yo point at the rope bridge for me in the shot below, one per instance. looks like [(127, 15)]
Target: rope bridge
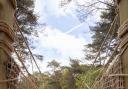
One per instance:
[(16, 69), (111, 75), (112, 72)]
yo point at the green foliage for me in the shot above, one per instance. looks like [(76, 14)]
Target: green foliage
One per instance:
[(99, 33), (85, 80), (67, 79), (27, 21), (54, 65), (75, 66), (25, 15)]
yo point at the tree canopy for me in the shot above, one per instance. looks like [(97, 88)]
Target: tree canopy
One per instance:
[(25, 15), (77, 75), (100, 30)]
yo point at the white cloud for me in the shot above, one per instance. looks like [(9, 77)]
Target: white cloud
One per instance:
[(52, 43), (52, 8), (58, 45)]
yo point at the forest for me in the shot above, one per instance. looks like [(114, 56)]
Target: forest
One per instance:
[(77, 75)]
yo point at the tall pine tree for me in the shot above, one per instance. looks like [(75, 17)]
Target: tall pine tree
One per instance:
[(99, 33), (25, 15)]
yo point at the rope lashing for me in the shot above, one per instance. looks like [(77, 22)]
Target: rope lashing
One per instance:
[(8, 80), (4, 27), (118, 75), (123, 29)]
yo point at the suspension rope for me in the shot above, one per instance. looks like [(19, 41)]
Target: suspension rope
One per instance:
[(105, 39), (118, 75), (106, 65), (8, 80), (27, 46), (113, 23), (31, 80), (21, 62)]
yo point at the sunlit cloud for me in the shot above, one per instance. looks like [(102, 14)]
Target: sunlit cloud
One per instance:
[(56, 41), (63, 44)]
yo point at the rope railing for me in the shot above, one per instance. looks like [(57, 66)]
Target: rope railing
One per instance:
[(118, 75), (108, 33), (22, 62), (113, 75), (30, 81), (27, 46), (111, 29), (114, 72), (8, 80), (13, 75)]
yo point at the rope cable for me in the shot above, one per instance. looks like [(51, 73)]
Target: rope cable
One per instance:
[(98, 54), (8, 80), (27, 46), (105, 39)]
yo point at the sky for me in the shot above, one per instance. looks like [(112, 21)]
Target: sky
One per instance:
[(63, 36)]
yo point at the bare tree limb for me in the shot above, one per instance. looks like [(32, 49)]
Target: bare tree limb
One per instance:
[(105, 3)]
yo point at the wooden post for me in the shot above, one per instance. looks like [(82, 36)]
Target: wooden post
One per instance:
[(7, 10), (123, 35)]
